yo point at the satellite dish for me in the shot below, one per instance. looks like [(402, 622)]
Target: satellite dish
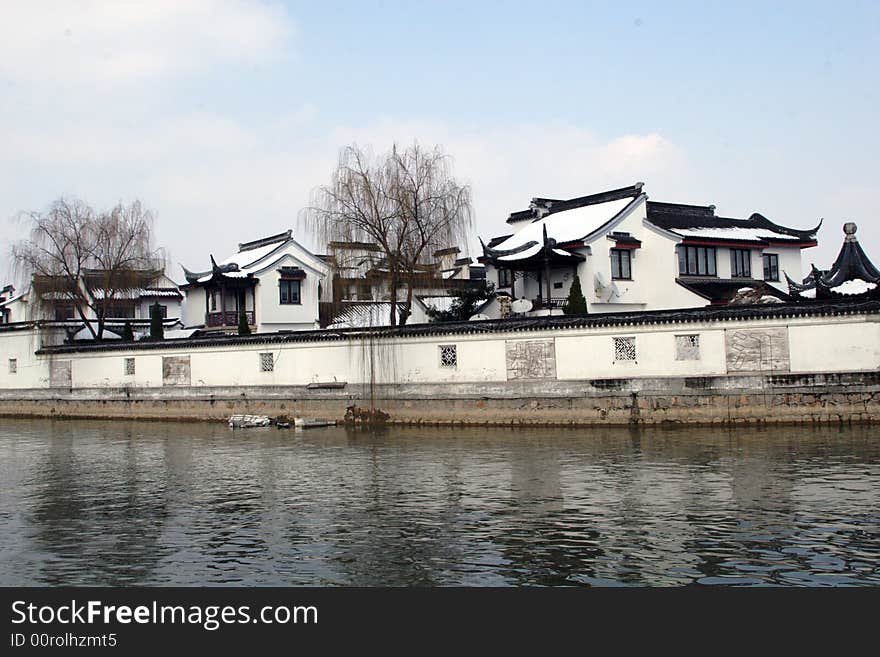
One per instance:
[(599, 283), (479, 317), (521, 306), (613, 291)]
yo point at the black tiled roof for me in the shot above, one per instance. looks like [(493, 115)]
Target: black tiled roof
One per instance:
[(852, 263), (672, 216), (552, 206), (723, 290)]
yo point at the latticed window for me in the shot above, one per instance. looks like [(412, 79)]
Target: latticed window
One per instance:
[(267, 362), (448, 355), (13, 365), (687, 347), (129, 366), (624, 349)]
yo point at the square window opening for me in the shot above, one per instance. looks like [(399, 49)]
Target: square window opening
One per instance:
[(129, 366), (625, 349), (448, 355), (13, 365), (267, 362)]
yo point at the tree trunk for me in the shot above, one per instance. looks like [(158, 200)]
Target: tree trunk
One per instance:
[(393, 296), (407, 305)]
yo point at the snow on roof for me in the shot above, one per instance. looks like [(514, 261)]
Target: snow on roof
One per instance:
[(854, 286), (11, 300), (735, 233), (438, 303), (100, 293), (246, 260), (564, 226), (179, 333), (85, 334), (159, 293), (363, 314)]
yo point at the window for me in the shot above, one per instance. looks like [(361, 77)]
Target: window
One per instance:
[(740, 263), (129, 366), (504, 277), (620, 264), (687, 347), (557, 286), (448, 356), (13, 365), (267, 362), (163, 311), (771, 267), (365, 292), (64, 311), (289, 291), (624, 349), (213, 301), (696, 261)]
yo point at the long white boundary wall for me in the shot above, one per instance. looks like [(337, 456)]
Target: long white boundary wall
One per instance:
[(796, 345)]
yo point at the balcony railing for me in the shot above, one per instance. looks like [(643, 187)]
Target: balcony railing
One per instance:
[(228, 318), (541, 303)]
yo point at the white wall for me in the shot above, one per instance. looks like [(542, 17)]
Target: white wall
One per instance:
[(32, 371), (834, 345), (194, 307), (819, 344), (272, 315)]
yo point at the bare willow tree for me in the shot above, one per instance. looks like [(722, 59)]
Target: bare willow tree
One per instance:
[(405, 201), (88, 259)]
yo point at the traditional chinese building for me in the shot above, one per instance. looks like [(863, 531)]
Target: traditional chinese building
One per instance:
[(275, 282), (634, 254), (852, 277)]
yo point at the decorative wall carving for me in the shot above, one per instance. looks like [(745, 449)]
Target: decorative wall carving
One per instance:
[(530, 360), (59, 374), (757, 350), (175, 371)]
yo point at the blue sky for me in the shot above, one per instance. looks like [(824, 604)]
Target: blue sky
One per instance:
[(222, 116)]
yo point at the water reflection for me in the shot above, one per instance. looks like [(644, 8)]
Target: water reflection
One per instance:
[(154, 503)]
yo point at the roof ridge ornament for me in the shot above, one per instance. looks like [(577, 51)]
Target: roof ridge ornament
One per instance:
[(849, 229)]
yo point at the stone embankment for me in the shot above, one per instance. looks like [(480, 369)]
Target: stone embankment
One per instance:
[(815, 398)]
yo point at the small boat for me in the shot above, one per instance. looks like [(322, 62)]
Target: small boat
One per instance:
[(312, 423), (248, 421)]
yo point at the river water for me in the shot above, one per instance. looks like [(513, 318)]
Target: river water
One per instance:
[(126, 503)]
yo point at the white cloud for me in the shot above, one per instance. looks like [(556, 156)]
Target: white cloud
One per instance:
[(100, 41), (213, 203)]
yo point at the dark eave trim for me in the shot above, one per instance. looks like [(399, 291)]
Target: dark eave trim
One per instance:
[(488, 327)]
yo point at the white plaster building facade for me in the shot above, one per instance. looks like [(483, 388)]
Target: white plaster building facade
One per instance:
[(633, 254), (275, 281)]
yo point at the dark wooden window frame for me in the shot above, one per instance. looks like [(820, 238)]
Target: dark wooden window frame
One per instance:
[(697, 260), (618, 271), (289, 284), (740, 263), (771, 266)]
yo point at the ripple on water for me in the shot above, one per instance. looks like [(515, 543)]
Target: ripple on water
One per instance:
[(134, 503)]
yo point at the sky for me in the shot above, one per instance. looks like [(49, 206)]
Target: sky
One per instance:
[(222, 115)]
